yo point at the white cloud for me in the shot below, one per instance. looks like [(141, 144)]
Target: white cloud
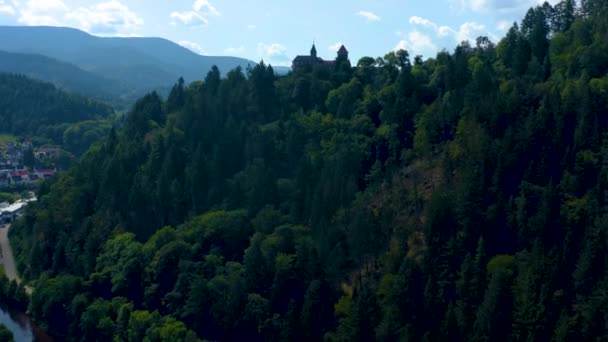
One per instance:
[(42, 12), (496, 6), (421, 42), (402, 45), (470, 31), (493, 38), (251, 27), (46, 5), (369, 16), (205, 7), (335, 47), (503, 25), (442, 31), (198, 16), (417, 44), (235, 50), (6, 8), (271, 50), (192, 46), (190, 18), (105, 17), (109, 17), (482, 5), (274, 53)]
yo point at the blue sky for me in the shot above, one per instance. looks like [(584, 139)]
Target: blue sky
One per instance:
[(278, 30)]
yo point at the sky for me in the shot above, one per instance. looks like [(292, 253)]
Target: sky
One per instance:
[(277, 30)]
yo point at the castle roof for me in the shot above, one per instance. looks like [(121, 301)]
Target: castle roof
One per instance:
[(312, 59), (307, 59)]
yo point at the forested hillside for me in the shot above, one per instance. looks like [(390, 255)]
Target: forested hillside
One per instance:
[(35, 109), (63, 75), (460, 198)]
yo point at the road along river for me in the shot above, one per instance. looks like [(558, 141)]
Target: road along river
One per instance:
[(18, 323)]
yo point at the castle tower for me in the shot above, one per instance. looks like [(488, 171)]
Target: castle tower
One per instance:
[(313, 51), (342, 53)]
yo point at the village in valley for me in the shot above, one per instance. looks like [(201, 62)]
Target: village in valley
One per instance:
[(21, 165)]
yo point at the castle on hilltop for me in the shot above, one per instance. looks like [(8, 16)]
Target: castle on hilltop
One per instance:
[(313, 59)]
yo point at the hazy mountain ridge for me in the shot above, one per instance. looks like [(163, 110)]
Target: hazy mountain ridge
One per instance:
[(64, 75), (134, 62)]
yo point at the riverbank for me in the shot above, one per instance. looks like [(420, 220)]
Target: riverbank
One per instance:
[(17, 322), (6, 255), (7, 259)]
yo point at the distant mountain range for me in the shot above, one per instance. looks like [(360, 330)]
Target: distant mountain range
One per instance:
[(62, 74), (76, 60), (281, 70)]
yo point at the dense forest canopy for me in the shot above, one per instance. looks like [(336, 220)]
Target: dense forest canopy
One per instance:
[(37, 110), (461, 198)]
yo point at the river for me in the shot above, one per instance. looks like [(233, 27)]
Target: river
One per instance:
[(18, 324)]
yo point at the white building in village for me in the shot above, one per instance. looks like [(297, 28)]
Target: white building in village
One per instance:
[(10, 213)]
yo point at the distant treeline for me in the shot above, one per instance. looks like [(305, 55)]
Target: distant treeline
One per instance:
[(38, 111)]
